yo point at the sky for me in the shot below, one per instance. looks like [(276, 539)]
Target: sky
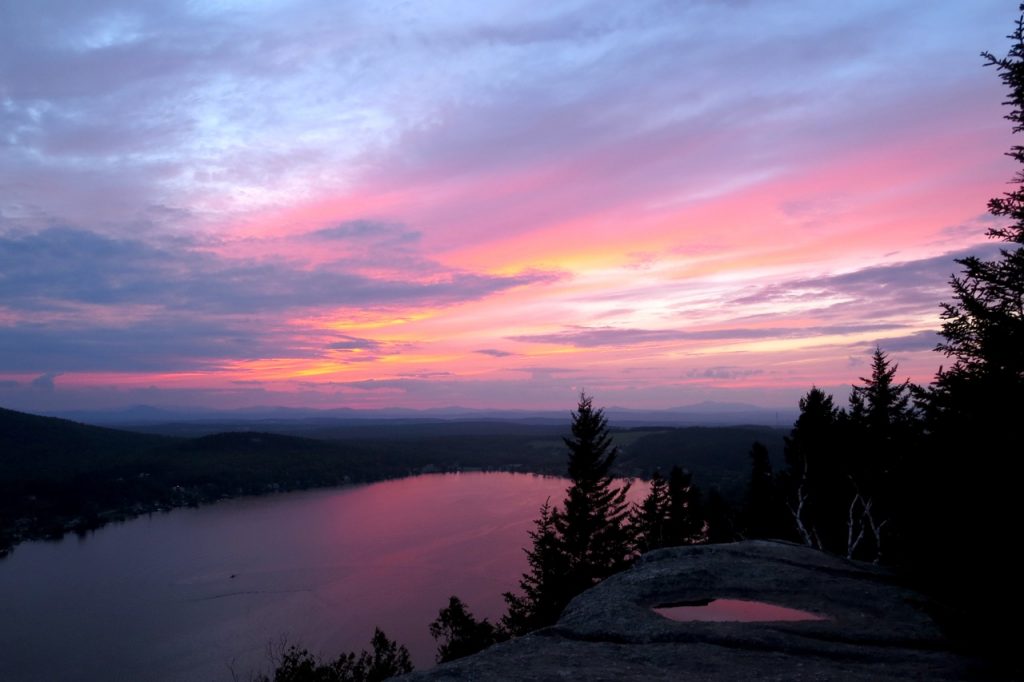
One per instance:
[(232, 203)]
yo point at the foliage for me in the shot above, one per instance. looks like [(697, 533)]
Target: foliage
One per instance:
[(386, 659), (881, 406), (575, 548), (649, 519), (983, 327), (884, 432), (719, 519), (591, 528), (974, 400), (545, 587), (814, 470), (929, 477), (847, 470), (671, 514), (716, 454), (763, 515), (686, 523), (459, 633), (968, 495)]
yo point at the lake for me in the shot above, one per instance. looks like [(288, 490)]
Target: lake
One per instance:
[(196, 593)]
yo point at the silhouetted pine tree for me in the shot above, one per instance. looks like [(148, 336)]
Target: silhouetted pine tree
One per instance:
[(814, 482), (883, 429), (671, 514), (648, 519), (575, 548), (592, 529), (881, 405), (763, 507), (969, 510), (686, 524), (983, 330), (545, 586), (719, 525)]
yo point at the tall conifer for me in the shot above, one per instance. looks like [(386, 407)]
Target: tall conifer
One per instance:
[(970, 510), (580, 545), (592, 527)]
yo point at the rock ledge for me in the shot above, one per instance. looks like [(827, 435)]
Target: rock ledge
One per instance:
[(876, 628)]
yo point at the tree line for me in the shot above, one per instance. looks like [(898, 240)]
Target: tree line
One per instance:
[(927, 478)]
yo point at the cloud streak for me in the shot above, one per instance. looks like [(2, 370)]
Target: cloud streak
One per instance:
[(593, 337), (60, 266), (494, 352)]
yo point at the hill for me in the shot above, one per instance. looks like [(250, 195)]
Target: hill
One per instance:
[(59, 476), (47, 447)]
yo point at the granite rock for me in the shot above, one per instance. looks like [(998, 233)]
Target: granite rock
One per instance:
[(873, 628)]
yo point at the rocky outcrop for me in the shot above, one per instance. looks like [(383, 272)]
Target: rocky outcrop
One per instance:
[(874, 628)]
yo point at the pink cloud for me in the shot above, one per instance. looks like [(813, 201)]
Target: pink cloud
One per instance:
[(634, 200)]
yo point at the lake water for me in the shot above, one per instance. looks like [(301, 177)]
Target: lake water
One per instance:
[(197, 593)]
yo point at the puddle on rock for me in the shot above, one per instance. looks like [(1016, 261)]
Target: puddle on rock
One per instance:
[(734, 610)]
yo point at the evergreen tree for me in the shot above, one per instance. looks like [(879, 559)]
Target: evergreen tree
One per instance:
[(982, 392), (969, 510), (545, 587), (588, 541), (984, 325), (686, 524), (881, 406), (591, 529), (719, 525), (763, 507), (459, 633), (882, 430), (649, 519), (671, 514), (814, 476)]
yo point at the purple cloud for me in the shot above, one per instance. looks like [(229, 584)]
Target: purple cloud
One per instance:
[(494, 352), (593, 337), (59, 266), (911, 286), (925, 340), (352, 343), (379, 233), (45, 382), (722, 372)]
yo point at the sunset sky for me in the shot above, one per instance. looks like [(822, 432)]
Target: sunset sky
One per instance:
[(231, 203)]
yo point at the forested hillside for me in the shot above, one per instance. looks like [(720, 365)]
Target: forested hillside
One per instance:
[(58, 476)]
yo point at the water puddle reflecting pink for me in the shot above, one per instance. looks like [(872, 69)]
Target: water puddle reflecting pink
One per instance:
[(735, 610)]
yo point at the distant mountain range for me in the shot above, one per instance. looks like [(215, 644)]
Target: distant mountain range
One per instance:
[(700, 414)]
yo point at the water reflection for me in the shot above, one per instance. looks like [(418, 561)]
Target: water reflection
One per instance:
[(735, 610), (181, 596)]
